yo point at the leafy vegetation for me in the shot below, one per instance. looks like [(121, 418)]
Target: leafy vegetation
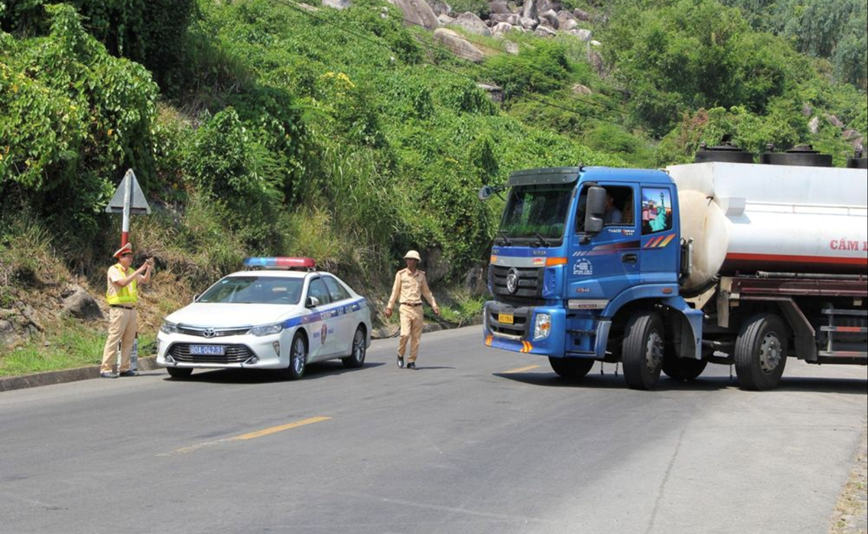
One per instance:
[(259, 127)]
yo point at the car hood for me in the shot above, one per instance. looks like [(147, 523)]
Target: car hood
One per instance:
[(231, 315)]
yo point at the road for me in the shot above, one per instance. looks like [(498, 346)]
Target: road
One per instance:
[(475, 441)]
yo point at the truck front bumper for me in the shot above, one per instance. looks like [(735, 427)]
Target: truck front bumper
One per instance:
[(523, 328)]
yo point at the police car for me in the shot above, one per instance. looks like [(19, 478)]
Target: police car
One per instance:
[(279, 314)]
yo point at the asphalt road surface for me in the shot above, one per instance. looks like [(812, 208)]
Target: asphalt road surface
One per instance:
[(476, 440)]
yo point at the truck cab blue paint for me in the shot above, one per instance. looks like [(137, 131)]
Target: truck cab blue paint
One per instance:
[(636, 258)]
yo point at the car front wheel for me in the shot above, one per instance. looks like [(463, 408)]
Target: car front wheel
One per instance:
[(357, 355), (297, 359)]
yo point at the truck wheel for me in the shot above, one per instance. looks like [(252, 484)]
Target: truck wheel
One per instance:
[(682, 368), (297, 359), (179, 372), (573, 368), (761, 352), (642, 351)]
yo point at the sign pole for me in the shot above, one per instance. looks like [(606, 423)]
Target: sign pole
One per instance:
[(128, 195)]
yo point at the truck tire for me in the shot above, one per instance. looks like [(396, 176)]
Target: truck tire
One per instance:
[(572, 368), (642, 351), (682, 368), (761, 352)]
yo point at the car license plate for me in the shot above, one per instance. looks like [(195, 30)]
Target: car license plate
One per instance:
[(505, 318), (207, 350)]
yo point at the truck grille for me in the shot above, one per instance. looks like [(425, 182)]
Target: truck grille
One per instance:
[(529, 281), (232, 354), (519, 325)]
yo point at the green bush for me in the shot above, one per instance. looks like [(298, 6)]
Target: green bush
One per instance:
[(479, 7)]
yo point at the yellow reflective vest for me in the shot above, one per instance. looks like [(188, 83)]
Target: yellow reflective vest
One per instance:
[(122, 295)]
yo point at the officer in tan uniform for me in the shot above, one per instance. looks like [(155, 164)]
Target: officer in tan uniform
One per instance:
[(122, 295), (410, 286)]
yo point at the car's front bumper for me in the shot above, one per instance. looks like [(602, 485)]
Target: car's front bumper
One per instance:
[(239, 352)]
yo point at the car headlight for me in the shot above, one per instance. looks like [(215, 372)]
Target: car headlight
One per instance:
[(169, 328), (266, 330), (542, 326)]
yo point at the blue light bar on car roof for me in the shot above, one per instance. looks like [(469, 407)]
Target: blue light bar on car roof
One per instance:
[(306, 264)]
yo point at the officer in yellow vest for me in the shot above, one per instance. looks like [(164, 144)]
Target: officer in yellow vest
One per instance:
[(122, 296), (409, 288)]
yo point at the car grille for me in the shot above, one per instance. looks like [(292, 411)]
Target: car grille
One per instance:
[(202, 331), (232, 354), (529, 282), (519, 316)]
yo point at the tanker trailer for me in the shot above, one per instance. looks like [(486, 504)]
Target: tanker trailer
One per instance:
[(776, 257)]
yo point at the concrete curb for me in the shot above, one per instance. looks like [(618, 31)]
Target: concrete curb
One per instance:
[(67, 375)]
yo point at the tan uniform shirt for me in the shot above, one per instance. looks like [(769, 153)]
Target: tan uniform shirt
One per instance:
[(411, 288)]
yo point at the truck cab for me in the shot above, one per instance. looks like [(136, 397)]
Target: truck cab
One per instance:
[(576, 247)]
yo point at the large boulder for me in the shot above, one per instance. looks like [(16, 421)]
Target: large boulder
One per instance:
[(582, 15), (580, 89), (545, 31), (583, 35), (501, 28), (814, 125), (511, 47), (544, 5), (336, 4), (550, 18), (494, 92), (79, 303), (596, 61), (436, 267), (417, 13), (528, 24), (472, 23), (445, 19), (440, 8), (498, 6), (834, 121), (569, 24), (459, 46), (529, 10)]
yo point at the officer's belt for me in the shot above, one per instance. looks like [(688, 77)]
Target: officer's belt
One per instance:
[(411, 304)]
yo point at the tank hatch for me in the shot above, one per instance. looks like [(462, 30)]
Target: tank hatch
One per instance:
[(858, 161), (725, 152), (801, 155)]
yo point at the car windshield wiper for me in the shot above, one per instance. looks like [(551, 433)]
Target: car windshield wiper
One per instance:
[(542, 240), (504, 237)]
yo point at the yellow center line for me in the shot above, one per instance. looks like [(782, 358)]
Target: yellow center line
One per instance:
[(250, 435), (520, 369), (281, 428)]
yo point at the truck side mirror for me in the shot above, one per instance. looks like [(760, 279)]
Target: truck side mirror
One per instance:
[(596, 210), (485, 192)]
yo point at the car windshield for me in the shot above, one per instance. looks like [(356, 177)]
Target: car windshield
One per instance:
[(254, 290), (536, 212)]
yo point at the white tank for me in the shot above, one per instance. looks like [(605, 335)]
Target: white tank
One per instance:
[(747, 218)]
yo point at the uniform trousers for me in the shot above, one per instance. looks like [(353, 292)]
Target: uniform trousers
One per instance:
[(412, 318), (122, 329)]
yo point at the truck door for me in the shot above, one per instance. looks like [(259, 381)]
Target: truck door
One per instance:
[(609, 261), (660, 248)]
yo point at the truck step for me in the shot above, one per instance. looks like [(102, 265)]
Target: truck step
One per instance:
[(843, 354), (852, 313)]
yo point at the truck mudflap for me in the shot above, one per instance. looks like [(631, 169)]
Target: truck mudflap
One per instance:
[(690, 328)]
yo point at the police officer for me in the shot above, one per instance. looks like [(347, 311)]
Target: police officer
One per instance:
[(122, 295), (410, 285)]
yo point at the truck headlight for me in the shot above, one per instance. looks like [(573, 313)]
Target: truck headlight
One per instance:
[(266, 330), (542, 326), (169, 328)]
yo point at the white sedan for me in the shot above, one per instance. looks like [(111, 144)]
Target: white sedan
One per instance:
[(282, 317)]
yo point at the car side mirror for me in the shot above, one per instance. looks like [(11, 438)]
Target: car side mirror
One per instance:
[(312, 302), (596, 210), (196, 297)]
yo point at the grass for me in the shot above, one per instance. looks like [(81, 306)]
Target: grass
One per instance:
[(73, 345)]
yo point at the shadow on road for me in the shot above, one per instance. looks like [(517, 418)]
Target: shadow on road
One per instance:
[(267, 376), (851, 386)]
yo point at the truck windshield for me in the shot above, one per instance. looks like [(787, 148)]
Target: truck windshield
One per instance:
[(536, 214)]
